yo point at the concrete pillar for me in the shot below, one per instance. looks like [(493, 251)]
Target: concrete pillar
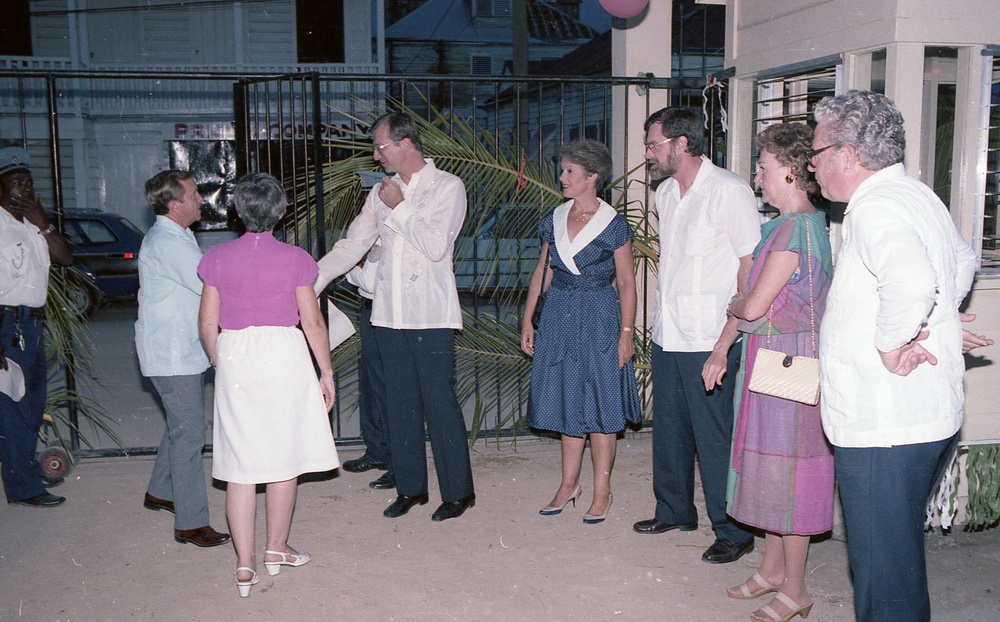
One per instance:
[(904, 85), (640, 45), (966, 185)]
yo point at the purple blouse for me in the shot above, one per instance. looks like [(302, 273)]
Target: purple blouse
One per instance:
[(256, 276)]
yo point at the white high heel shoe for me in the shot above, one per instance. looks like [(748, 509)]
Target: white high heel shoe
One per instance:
[(244, 586), (287, 559)]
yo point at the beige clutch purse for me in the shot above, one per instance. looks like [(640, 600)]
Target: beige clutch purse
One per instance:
[(789, 377)]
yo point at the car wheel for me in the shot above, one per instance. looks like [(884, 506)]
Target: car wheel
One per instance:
[(81, 299)]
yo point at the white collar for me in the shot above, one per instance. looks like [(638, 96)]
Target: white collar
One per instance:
[(568, 249)]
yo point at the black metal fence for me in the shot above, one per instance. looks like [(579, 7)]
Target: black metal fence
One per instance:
[(299, 126)]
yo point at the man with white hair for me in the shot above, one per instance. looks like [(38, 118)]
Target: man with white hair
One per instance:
[(891, 356)]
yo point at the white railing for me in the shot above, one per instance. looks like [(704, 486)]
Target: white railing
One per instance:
[(34, 63)]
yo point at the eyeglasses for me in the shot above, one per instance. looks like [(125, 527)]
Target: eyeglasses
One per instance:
[(653, 146), (810, 155), (379, 148)]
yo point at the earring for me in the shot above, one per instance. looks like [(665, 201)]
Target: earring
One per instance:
[(789, 179)]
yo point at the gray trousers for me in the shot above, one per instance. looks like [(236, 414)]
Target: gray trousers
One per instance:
[(179, 470)]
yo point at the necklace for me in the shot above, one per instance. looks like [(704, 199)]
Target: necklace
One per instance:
[(582, 216)]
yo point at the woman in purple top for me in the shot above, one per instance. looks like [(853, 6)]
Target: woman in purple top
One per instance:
[(271, 422)]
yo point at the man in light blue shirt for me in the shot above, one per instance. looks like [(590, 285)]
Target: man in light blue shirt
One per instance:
[(172, 357)]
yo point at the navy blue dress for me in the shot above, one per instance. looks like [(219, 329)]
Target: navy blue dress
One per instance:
[(576, 386)]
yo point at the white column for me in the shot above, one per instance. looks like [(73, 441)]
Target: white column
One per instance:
[(741, 128), (904, 85), (966, 190), (639, 45)]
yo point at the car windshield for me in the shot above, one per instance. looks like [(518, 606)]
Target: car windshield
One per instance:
[(88, 232)]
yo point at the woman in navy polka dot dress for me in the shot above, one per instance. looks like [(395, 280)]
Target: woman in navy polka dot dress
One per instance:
[(582, 379)]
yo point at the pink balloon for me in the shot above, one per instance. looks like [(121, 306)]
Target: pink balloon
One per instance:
[(624, 8)]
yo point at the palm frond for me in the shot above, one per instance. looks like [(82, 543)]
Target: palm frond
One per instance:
[(490, 367), (90, 411), (68, 347)]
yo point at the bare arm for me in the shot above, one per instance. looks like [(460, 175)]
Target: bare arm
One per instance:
[(779, 267), (625, 279), (316, 335), (538, 276), (208, 320)]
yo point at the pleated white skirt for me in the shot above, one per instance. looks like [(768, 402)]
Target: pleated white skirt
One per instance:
[(271, 424)]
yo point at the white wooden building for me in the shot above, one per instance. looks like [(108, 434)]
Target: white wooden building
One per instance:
[(115, 133)]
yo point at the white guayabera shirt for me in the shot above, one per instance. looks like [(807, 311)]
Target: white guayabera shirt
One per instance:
[(702, 237), (415, 279), (902, 268)]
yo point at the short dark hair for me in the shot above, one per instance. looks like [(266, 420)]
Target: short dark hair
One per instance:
[(675, 122), (400, 125), (260, 201), (165, 187), (593, 156), (790, 143)]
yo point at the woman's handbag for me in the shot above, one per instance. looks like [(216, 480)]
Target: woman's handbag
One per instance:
[(536, 317), (789, 377), (782, 375)]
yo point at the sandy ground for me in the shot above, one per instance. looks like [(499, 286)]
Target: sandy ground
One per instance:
[(102, 556)]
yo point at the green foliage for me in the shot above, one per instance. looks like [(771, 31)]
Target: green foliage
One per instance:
[(492, 370), (983, 472), (68, 347)]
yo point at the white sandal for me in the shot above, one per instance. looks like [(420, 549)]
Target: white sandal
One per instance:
[(244, 586), (287, 559)]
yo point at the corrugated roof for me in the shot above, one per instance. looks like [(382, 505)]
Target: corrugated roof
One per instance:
[(547, 23), (451, 20)]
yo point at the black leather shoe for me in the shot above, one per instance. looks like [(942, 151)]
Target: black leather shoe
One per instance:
[(152, 503), (202, 536), (44, 500), (386, 482), (723, 551), (362, 464), (653, 526), (453, 509), (52, 482), (402, 505)]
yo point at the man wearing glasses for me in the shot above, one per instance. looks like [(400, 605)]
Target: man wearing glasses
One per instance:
[(891, 365), (708, 228), (417, 213)]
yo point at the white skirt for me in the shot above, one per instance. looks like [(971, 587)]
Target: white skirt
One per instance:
[(271, 424)]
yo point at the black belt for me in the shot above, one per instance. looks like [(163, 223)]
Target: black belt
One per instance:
[(23, 311), (366, 302)]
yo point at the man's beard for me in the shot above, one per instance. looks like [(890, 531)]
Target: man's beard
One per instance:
[(659, 171)]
